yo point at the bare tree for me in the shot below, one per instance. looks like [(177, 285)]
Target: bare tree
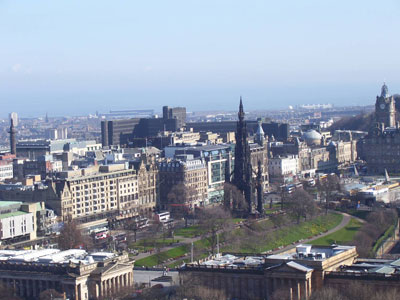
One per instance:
[(327, 293), (181, 197), (377, 223), (356, 291), (195, 289), (72, 237), (327, 187), (213, 221), (301, 204), (50, 295), (7, 292), (278, 220), (132, 224)]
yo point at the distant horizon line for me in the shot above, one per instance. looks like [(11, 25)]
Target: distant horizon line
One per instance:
[(159, 113)]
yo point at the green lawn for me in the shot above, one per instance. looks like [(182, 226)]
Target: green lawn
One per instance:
[(192, 231), (156, 259), (148, 244), (288, 235), (188, 232), (280, 237), (343, 236), (275, 207)]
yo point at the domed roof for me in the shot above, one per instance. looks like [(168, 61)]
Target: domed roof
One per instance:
[(311, 135)]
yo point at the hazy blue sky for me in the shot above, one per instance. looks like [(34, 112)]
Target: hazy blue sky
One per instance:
[(76, 57)]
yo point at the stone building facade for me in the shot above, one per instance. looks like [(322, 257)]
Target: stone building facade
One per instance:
[(219, 162), (188, 172), (97, 193), (80, 275), (381, 147), (148, 183), (381, 150), (296, 273), (385, 110)]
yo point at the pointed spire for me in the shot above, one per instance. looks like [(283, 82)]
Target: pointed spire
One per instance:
[(241, 111)]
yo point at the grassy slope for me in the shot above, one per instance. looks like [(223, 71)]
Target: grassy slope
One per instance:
[(291, 234), (282, 237), (153, 260), (343, 236)]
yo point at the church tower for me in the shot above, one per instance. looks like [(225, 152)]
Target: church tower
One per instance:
[(385, 110)]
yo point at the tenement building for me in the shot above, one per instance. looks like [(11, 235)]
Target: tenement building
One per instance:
[(381, 147), (183, 183), (96, 193), (80, 275), (295, 274), (148, 183), (219, 162)]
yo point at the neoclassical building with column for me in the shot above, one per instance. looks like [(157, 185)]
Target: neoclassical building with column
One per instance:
[(78, 274), (295, 273)]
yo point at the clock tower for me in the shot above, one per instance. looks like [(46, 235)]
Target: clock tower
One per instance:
[(385, 110)]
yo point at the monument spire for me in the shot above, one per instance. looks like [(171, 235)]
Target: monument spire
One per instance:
[(241, 111), (242, 173)]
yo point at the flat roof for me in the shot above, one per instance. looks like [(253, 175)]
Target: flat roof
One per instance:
[(53, 256), (229, 260), (13, 214), (311, 252), (7, 203)]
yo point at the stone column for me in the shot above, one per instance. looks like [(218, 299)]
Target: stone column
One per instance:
[(20, 287), (117, 283), (274, 285), (35, 286), (40, 283), (28, 288), (103, 288), (76, 292), (298, 291), (305, 289)]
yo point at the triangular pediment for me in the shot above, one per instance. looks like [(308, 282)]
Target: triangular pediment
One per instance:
[(113, 268), (290, 267)]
